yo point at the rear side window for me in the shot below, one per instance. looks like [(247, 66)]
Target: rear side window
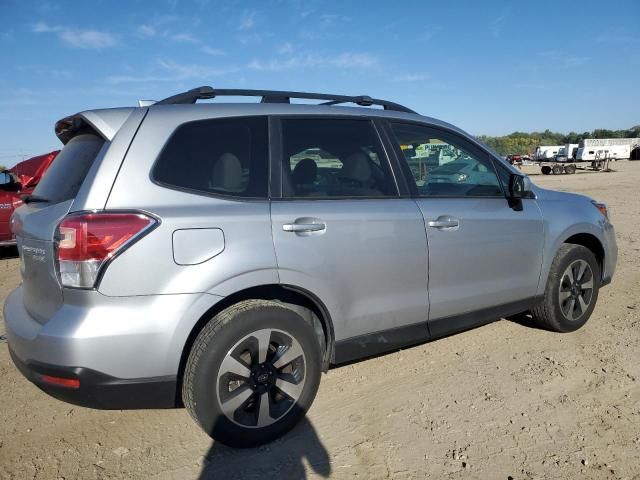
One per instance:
[(222, 156), (329, 158), (67, 172)]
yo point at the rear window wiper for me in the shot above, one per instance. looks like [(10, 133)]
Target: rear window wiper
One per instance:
[(34, 199)]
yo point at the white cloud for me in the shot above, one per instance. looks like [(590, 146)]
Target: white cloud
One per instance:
[(285, 48), (574, 62), (413, 77), (247, 20), (344, 60), (216, 52), (88, 39), (42, 27), (170, 71), (497, 23), (183, 38), (147, 31)]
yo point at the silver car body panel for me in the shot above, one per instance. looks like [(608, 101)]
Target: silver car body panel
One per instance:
[(125, 337), (468, 270), (369, 265)]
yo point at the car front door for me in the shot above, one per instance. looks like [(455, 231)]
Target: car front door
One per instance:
[(485, 255), (342, 232)]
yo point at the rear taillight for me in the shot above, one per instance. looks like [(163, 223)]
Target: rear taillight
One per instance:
[(87, 241)]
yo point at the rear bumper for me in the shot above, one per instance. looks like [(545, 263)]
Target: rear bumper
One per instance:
[(101, 391), (125, 351), (8, 243)]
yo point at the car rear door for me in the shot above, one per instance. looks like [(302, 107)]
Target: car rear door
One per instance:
[(485, 254), (342, 232)]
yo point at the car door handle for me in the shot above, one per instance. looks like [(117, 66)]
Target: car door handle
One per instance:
[(303, 227), (444, 222)]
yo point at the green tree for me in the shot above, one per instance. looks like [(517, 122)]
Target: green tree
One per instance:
[(526, 143)]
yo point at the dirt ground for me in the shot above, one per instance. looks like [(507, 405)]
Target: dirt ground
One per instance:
[(502, 401)]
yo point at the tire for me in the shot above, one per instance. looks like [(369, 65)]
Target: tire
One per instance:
[(570, 169), (557, 169), (546, 170), (556, 311), (226, 355)]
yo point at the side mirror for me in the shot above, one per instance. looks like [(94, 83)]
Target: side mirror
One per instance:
[(520, 186)]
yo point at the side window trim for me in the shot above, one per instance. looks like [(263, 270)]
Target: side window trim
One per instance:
[(276, 188), (474, 149), (277, 161), (402, 167), (397, 167)]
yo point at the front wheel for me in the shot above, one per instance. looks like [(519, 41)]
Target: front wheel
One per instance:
[(571, 292), (252, 373)]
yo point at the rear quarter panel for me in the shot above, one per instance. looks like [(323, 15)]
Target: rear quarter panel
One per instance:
[(149, 267)]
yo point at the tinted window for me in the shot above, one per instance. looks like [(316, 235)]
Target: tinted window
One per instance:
[(67, 172), (225, 157), (444, 164), (326, 158)]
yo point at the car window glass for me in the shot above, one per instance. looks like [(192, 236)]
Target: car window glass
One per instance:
[(326, 158), (68, 171), (224, 157), (443, 165)]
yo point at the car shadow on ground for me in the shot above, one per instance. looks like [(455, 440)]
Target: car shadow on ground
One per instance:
[(524, 319), (284, 458), (8, 252)]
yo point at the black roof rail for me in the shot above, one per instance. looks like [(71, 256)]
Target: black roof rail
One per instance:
[(277, 96)]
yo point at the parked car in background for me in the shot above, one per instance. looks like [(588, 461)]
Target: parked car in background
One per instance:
[(222, 255), (16, 182), (462, 170)]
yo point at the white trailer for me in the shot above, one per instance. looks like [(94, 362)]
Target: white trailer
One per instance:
[(546, 152), (567, 153), (615, 148)]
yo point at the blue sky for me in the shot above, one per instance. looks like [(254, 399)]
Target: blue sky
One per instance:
[(490, 67)]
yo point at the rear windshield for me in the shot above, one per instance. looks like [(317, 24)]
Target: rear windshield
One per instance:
[(67, 172)]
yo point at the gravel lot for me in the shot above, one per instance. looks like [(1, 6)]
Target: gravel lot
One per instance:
[(502, 401)]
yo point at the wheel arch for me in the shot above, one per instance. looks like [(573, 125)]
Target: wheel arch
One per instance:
[(591, 242), (301, 299)]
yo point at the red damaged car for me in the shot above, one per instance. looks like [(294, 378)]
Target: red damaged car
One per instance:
[(16, 182)]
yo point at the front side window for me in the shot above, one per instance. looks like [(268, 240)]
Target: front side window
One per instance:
[(325, 158), (221, 156), (444, 165)]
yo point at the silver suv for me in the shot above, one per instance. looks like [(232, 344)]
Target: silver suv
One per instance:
[(221, 256)]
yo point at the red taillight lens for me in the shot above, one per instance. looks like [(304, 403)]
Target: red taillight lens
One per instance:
[(86, 241), (60, 381)]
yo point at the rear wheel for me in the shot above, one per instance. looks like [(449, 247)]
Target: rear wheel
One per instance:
[(252, 373), (557, 169), (546, 170), (571, 292), (570, 169)]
